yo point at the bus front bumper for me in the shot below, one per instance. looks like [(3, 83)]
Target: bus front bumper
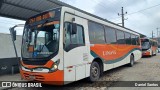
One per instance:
[(146, 53), (53, 78)]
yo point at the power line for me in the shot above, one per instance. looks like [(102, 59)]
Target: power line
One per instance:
[(144, 9), (141, 10), (99, 4)]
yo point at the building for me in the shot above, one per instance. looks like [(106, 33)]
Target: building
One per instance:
[(8, 60)]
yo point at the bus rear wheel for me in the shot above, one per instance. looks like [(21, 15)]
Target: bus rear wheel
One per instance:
[(152, 54), (94, 72), (131, 61), (155, 54)]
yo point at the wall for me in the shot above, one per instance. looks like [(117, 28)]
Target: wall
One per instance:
[(6, 46)]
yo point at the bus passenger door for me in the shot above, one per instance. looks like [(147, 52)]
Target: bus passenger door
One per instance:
[(75, 49)]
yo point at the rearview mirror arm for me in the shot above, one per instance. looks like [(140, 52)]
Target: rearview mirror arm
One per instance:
[(13, 42), (11, 32)]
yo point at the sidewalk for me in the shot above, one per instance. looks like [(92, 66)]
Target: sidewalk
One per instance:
[(14, 77)]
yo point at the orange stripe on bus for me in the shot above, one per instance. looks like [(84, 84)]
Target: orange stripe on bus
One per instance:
[(112, 51)]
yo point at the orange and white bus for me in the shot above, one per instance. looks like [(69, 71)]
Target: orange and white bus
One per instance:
[(149, 47), (65, 44)]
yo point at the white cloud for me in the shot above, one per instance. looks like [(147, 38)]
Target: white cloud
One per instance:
[(6, 23), (143, 22), (86, 5)]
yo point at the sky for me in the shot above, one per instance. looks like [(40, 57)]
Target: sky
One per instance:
[(6, 23), (142, 16), (144, 21)]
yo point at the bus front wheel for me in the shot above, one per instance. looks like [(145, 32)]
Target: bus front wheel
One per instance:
[(94, 72)]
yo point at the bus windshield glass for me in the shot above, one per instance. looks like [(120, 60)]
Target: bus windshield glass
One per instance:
[(41, 36), (145, 45)]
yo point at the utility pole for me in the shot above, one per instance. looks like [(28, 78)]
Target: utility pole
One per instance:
[(157, 32), (152, 34), (122, 14)]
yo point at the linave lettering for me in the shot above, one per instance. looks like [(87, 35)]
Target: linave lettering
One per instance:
[(109, 53)]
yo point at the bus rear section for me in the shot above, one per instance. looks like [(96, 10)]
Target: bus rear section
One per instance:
[(154, 46), (149, 47)]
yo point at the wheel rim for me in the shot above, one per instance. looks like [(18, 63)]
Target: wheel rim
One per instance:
[(132, 60), (94, 71)]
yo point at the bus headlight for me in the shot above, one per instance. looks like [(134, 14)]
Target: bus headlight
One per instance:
[(21, 67), (24, 68), (55, 66)]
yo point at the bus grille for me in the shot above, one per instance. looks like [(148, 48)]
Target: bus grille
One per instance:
[(37, 77)]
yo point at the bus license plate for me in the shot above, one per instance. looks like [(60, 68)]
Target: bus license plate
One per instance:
[(31, 77)]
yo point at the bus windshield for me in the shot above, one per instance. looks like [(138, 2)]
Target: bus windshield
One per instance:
[(41, 35), (40, 42), (145, 45)]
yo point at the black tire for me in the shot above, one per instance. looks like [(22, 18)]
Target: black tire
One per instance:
[(131, 61), (152, 53), (155, 53), (94, 72)]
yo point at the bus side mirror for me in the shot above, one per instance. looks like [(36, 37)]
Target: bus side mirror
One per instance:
[(13, 34), (74, 28)]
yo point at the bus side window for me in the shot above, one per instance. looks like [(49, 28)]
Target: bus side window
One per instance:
[(110, 34), (133, 39), (96, 33), (128, 38), (78, 38), (137, 40), (67, 29), (73, 40), (80, 33), (120, 37), (151, 43)]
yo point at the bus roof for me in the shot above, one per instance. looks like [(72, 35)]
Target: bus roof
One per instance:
[(92, 16)]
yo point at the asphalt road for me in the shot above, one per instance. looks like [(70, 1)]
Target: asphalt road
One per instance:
[(145, 69)]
